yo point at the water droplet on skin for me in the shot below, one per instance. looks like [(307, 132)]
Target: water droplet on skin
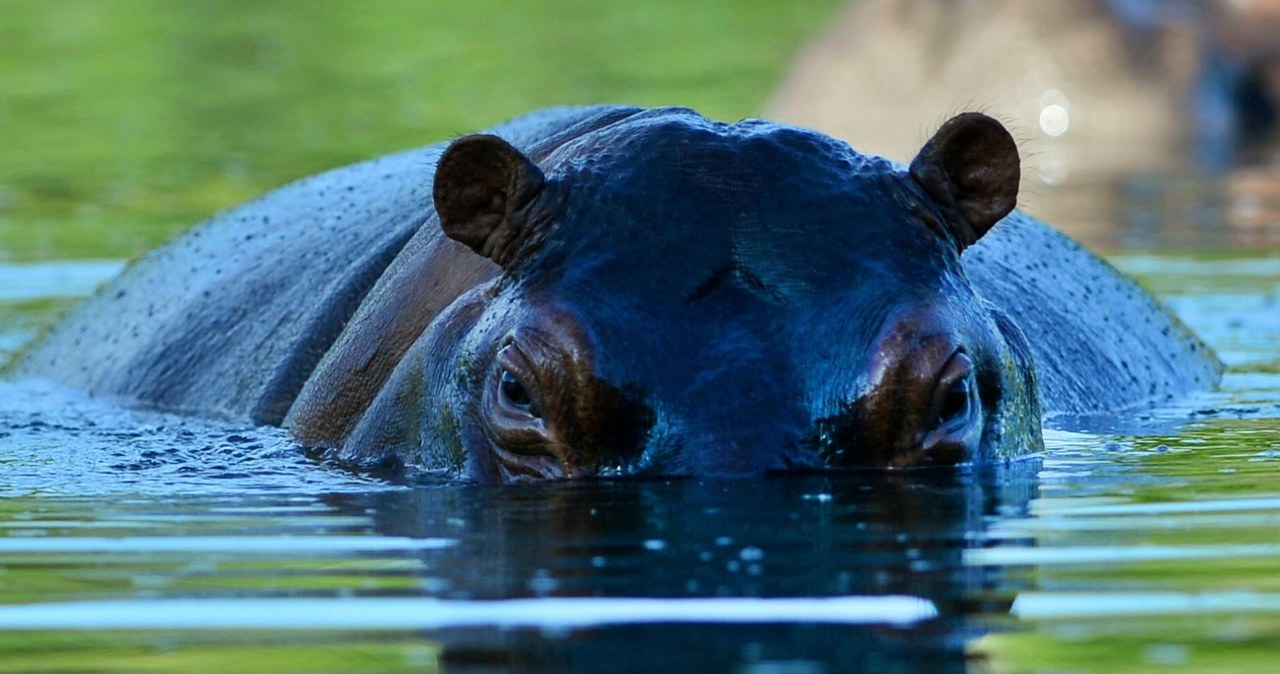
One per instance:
[(542, 583), (751, 554), (921, 565)]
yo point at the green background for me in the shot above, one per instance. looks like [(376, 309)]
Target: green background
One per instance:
[(124, 122)]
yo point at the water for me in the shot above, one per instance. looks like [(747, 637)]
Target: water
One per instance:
[(132, 538), (134, 541)]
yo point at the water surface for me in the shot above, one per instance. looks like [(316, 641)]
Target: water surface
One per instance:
[(1144, 540)]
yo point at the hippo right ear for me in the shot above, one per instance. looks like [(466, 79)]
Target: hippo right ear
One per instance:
[(482, 187), (971, 168)]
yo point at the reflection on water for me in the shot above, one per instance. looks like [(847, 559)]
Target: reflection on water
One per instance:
[(802, 568), (1164, 210)]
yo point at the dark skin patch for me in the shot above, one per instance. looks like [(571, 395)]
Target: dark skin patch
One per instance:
[(730, 273)]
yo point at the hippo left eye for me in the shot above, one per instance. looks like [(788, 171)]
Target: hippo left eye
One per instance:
[(956, 403), (514, 393), (955, 392)]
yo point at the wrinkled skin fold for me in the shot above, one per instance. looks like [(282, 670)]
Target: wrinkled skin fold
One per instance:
[(615, 291)]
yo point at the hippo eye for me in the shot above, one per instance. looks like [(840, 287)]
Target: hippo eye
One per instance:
[(955, 397), (955, 404), (514, 393)]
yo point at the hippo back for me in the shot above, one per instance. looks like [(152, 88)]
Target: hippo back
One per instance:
[(1101, 342)]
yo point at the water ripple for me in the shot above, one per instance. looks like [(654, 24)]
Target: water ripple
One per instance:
[(408, 613), (270, 545)]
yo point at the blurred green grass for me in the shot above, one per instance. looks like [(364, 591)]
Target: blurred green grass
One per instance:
[(125, 122)]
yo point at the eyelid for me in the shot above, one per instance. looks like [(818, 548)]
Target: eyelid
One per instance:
[(515, 355), (507, 380), (959, 387), (512, 359), (518, 436), (958, 370)]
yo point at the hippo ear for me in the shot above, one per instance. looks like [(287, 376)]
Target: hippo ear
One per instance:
[(970, 167), (482, 187)]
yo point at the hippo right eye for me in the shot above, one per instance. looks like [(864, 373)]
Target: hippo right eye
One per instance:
[(514, 393), (956, 402), (956, 396)]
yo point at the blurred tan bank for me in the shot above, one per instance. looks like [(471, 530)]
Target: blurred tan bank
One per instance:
[(1111, 100)]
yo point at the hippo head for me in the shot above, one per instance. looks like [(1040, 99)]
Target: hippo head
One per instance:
[(684, 297)]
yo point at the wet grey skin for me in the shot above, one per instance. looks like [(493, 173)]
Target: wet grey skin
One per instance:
[(617, 291)]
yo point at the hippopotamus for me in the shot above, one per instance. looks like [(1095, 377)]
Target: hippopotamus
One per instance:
[(616, 291)]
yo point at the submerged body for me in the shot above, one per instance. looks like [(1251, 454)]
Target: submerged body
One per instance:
[(612, 290)]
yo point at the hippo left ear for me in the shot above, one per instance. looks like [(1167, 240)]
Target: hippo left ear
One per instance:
[(482, 188), (971, 168)]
